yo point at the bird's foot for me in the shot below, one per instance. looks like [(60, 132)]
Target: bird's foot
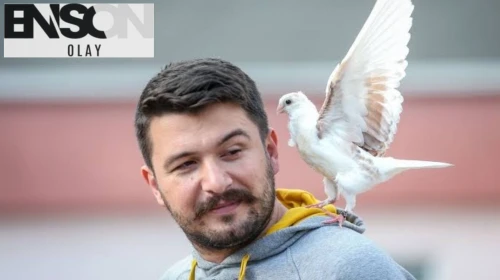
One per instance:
[(340, 218), (321, 204)]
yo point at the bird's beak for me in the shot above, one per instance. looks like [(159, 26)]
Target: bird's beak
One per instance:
[(280, 109)]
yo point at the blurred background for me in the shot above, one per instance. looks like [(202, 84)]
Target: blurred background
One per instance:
[(74, 206)]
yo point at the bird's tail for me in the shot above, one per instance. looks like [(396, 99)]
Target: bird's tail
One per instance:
[(392, 166)]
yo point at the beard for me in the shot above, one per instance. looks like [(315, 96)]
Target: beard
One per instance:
[(242, 232)]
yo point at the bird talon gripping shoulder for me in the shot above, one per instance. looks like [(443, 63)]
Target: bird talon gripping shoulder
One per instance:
[(342, 212)]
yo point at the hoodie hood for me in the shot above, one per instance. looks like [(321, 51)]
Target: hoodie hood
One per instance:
[(296, 222)]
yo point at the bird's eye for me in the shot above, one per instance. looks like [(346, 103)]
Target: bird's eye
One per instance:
[(288, 102)]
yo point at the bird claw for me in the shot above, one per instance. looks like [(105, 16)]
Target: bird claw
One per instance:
[(340, 218)]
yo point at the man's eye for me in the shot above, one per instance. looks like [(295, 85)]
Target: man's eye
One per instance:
[(234, 152), (185, 165)]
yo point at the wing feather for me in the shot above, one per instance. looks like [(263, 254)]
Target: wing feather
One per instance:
[(362, 104)]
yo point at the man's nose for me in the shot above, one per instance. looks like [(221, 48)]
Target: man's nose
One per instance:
[(215, 177)]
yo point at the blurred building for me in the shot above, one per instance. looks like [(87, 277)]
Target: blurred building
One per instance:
[(72, 201)]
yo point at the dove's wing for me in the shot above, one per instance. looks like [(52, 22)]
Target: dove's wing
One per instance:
[(362, 104)]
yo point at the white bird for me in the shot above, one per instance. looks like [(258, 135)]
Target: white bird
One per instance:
[(347, 139)]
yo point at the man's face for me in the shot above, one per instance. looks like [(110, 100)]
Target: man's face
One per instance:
[(214, 174)]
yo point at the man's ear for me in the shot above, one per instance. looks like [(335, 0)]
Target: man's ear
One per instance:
[(148, 175), (272, 149)]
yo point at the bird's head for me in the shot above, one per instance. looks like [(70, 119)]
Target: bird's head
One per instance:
[(290, 102)]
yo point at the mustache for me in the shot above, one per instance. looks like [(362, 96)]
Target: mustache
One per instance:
[(231, 195)]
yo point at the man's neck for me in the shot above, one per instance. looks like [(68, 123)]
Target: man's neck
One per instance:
[(219, 255)]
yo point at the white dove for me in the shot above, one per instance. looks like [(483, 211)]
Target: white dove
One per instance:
[(346, 140)]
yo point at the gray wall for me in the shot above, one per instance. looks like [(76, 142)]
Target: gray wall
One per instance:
[(284, 45), (298, 30)]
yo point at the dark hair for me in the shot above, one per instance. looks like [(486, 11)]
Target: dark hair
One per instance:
[(189, 86)]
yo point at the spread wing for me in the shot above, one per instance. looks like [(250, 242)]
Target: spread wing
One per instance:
[(362, 104)]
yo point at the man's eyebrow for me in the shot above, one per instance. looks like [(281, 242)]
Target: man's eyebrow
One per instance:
[(234, 133)]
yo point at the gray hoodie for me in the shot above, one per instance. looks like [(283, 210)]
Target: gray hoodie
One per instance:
[(306, 249)]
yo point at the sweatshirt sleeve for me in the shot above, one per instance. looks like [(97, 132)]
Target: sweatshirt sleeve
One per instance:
[(340, 253)]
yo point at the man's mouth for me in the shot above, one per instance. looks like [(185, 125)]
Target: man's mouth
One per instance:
[(225, 203), (225, 207)]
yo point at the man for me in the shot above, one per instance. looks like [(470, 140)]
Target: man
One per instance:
[(210, 159)]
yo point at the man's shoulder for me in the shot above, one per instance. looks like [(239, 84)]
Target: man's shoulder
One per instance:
[(180, 268), (330, 237), (347, 249)]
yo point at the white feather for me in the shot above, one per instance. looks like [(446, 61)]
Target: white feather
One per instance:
[(379, 50), (345, 140)]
